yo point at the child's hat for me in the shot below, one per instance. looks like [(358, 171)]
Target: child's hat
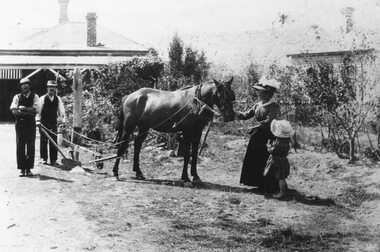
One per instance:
[(281, 128)]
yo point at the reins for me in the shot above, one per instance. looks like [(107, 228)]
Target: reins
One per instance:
[(197, 98)]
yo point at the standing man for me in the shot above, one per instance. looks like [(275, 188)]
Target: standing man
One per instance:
[(24, 107), (50, 109)]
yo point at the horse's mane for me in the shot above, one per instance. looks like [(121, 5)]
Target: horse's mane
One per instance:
[(186, 87), (190, 86)]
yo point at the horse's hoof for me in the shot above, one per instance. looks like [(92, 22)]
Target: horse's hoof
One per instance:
[(140, 176), (188, 185), (197, 180)]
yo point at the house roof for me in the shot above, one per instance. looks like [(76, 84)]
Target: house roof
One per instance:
[(336, 43), (73, 36), (11, 35), (55, 62), (65, 46), (331, 53)]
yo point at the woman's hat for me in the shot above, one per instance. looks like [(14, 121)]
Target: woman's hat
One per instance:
[(51, 83), (281, 128), (266, 85)]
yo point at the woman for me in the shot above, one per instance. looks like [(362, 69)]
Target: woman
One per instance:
[(257, 154)]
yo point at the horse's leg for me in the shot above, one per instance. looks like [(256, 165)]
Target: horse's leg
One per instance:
[(186, 155), (143, 132), (128, 128), (120, 151), (194, 154)]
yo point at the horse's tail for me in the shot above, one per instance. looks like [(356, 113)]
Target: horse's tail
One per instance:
[(120, 126)]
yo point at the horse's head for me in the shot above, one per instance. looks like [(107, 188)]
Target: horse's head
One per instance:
[(224, 98)]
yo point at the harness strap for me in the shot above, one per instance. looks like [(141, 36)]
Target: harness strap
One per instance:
[(204, 106)]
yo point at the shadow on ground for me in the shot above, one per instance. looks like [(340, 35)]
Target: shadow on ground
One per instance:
[(44, 178), (291, 195)]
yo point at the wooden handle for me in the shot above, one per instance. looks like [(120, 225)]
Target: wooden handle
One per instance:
[(52, 141)]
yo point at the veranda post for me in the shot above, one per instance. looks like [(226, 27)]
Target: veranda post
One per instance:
[(77, 106)]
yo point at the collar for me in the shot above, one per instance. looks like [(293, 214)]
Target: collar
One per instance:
[(27, 95), (51, 97), (267, 103)]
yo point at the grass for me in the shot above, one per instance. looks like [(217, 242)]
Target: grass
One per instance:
[(227, 234), (223, 216), (297, 239), (224, 232), (355, 195)]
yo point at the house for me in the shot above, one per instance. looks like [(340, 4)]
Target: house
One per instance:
[(336, 50), (40, 56)]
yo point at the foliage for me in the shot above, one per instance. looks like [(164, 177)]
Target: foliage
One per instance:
[(355, 195), (195, 65), (103, 89), (254, 72), (291, 96), (188, 63), (372, 153), (175, 56), (185, 67), (346, 94), (170, 82)]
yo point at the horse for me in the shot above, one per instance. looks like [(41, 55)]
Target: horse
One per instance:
[(186, 110)]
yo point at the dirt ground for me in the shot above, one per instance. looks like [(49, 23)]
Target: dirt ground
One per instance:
[(331, 206)]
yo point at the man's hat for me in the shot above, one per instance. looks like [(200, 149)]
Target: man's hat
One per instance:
[(51, 83), (24, 81), (266, 85)]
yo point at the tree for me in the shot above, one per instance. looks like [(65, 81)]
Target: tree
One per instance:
[(347, 93), (283, 18), (190, 63), (195, 65), (202, 69), (176, 56)]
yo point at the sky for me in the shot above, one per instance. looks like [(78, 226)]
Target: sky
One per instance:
[(146, 20)]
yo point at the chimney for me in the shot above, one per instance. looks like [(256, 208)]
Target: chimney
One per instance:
[(63, 11), (348, 14), (91, 29)]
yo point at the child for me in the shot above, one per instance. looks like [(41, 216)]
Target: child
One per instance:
[(278, 164)]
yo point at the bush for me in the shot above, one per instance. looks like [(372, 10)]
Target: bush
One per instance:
[(103, 89), (372, 153)]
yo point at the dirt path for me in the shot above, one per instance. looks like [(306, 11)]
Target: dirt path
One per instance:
[(330, 207), (36, 214)]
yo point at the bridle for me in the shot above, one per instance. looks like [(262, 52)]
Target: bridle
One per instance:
[(201, 105)]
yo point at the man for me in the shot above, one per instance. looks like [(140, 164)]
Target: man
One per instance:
[(50, 109), (24, 107)]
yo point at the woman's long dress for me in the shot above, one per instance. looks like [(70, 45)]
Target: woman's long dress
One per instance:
[(257, 154)]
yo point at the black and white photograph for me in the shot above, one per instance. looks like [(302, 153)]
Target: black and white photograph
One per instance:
[(189, 125)]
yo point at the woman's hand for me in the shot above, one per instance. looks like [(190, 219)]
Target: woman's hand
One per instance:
[(252, 129), (238, 115)]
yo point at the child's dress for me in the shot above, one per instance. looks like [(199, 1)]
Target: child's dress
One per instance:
[(278, 164)]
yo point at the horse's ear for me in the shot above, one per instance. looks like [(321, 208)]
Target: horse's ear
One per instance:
[(230, 81), (217, 83)]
